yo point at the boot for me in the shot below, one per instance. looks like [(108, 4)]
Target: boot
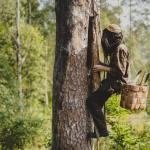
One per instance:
[(102, 133)]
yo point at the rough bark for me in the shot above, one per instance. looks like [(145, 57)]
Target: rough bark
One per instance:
[(71, 79)]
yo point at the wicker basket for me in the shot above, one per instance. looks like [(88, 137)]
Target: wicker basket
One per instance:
[(133, 97)]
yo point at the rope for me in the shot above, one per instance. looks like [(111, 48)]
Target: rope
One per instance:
[(134, 68), (105, 119), (98, 144), (96, 130)]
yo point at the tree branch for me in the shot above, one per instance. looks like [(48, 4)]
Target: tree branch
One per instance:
[(26, 76), (23, 60), (5, 20)]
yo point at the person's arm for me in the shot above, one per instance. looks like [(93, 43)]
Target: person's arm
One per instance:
[(120, 62), (97, 68), (102, 63)]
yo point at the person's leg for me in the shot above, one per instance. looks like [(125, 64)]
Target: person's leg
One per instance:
[(95, 102)]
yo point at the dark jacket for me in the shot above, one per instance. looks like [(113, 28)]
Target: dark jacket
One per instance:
[(120, 68)]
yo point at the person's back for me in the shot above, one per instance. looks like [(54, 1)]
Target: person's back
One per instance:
[(120, 68)]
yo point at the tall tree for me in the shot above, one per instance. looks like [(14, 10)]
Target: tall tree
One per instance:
[(131, 29), (72, 80), (44, 18), (20, 61)]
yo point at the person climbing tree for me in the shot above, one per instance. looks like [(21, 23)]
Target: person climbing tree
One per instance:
[(118, 71)]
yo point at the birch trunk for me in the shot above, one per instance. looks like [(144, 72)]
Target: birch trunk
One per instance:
[(130, 29), (71, 79), (17, 42), (46, 95), (119, 12), (18, 50)]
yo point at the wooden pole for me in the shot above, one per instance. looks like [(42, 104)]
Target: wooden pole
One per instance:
[(95, 53), (130, 29)]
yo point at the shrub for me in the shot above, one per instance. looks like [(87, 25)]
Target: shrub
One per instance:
[(18, 126)]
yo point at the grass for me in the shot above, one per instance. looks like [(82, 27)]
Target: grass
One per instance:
[(44, 112), (138, 120)]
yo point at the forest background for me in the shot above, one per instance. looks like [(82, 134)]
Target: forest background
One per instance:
[(25, 119)]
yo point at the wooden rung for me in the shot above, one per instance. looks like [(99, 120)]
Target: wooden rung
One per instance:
[(124, 104)]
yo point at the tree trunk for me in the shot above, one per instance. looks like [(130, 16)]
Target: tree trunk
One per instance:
[(130, 30), (119, 12), (71, 79), (46, 94), (18, 50), (101, 6), (99, 21)]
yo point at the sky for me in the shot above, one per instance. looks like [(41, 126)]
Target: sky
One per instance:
[(125, 19)]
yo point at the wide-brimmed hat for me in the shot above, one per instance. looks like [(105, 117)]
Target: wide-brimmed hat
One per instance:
[(114, 28)]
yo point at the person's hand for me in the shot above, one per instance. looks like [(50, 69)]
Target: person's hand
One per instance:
[(97, 68)]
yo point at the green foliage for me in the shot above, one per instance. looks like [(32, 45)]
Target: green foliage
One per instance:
[(148, 106), (143, 138), (18, 127), (48, 139), (121, 130), (123, 136), (33, 70), (21, 127)]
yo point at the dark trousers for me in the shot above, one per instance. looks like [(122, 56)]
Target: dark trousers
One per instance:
[(95, 103)]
